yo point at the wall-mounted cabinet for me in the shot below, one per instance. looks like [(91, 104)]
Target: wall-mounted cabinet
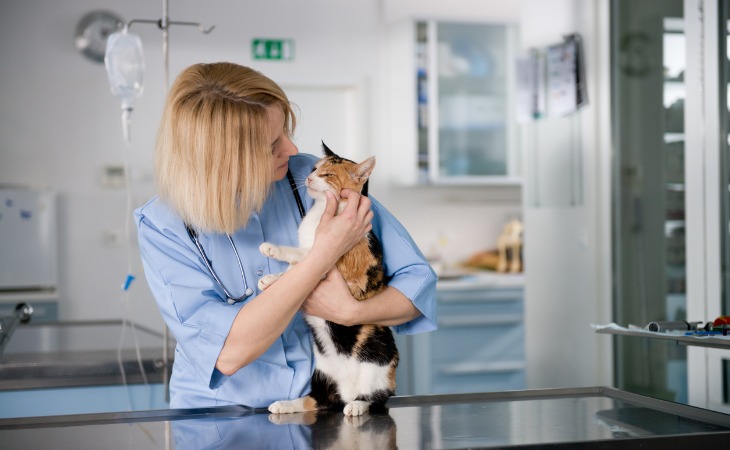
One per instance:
[(452, 96)]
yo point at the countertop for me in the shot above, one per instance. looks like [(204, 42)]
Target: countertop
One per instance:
[(456, 280), (596, 417)]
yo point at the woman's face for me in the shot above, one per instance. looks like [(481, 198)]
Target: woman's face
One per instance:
[(282, 147)]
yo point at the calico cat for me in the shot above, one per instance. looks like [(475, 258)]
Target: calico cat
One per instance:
[(354, 366)]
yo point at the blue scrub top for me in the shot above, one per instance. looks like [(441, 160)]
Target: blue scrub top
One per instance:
[(194, 307)]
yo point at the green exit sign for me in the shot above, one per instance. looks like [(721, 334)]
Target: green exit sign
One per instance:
[(273, 49)]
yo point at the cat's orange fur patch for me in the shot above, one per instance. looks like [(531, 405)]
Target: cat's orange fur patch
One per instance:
[(309, 403)]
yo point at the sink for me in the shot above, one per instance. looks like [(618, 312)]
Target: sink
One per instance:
[(81, 353)]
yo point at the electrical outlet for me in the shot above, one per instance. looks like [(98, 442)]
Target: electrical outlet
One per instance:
[(114, 177)]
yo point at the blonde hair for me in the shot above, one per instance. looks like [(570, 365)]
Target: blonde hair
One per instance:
[(213, 157)]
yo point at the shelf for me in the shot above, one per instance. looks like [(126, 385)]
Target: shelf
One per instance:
[(717, 341)]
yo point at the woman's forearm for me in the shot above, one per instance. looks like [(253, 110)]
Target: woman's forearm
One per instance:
[(263, 319), (388, 308)]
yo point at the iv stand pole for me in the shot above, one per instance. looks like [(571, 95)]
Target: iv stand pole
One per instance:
[(164, 24)]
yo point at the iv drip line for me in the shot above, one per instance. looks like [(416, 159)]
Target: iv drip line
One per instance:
[(125, 287), (164, 24)]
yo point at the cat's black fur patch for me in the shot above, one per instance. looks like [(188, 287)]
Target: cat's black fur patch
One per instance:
[(324, 391), (344, 337), (379, 348)]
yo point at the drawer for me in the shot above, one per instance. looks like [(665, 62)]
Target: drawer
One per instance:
[(481, 295), (446, 309), (478, 342)]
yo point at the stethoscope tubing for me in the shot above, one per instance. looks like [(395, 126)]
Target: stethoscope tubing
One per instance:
[(209, 265)]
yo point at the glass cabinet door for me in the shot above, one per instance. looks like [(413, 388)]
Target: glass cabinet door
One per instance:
[(724, 144), (466, 121), (648, 63)]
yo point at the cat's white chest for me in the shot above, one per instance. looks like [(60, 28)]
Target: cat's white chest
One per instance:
[(309, 224)]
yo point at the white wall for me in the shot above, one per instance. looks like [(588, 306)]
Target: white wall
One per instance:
[(60, 126), (568, 252)]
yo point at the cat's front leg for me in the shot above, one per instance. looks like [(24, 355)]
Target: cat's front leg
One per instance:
[(291, 255)]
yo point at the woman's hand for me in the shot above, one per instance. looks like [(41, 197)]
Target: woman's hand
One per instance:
[(331, 300), (338, 233)]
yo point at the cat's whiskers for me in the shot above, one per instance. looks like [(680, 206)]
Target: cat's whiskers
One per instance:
[(300, 183)]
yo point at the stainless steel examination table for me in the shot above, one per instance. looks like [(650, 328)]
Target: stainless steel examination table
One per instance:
[(597, 417)]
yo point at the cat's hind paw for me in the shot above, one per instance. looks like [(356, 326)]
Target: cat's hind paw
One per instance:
[(306, 403), (268, 280), (356, 408), (284, 407)]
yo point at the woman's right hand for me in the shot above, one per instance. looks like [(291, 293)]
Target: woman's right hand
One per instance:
[(338, 233)]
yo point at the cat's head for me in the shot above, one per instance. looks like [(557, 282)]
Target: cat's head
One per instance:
[(334, 173)]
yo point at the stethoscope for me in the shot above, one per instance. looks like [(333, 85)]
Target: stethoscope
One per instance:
[(247, 291)]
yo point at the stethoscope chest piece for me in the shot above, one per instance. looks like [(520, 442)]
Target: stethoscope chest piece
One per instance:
[(247, 293)]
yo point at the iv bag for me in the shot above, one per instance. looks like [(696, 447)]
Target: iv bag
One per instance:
[(124, 63)]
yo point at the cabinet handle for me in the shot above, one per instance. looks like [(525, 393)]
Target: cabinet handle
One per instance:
[(481, 320), (485, 368)]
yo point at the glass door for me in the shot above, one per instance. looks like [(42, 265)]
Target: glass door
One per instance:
[(648, 68), (723, 58)]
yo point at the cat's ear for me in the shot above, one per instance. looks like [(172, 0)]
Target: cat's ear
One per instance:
[(327, 151), (364, 169)]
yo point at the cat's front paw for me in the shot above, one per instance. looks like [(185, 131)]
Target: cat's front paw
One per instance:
[(269, 250), (268, 280), (356, 408)]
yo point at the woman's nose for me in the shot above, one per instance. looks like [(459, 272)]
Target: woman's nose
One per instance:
[(291, 148)]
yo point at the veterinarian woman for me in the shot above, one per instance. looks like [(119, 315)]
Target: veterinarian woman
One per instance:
[(222, 156)]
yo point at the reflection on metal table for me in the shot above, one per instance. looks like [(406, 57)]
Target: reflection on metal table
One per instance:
[(559, 418)]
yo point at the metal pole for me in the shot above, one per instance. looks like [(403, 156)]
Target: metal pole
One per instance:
[(165, 69)]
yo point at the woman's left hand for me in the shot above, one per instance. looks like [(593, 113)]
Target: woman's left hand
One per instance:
[(331, 300)]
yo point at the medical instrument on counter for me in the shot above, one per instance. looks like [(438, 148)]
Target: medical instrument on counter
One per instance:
[(718, 327), (247, 291), (677, 325), (668, 325)]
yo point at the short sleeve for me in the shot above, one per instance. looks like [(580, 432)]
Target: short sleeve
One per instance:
[(409, 271), (197, 316)]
